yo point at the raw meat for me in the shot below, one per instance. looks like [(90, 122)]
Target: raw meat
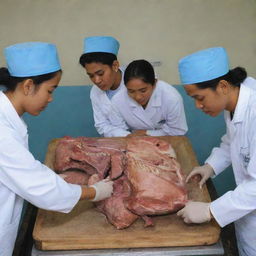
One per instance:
[(100, 156), (114, 207), (147, 176), (75, 176)]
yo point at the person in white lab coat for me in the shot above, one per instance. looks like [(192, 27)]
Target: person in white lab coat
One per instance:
[(32, 74), (100, 62), (148, 106), (207, 78)]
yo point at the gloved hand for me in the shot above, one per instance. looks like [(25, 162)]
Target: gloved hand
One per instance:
[(205, 171), (103, 189), (195, 212)]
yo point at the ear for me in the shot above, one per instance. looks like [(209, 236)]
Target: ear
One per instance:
[(28, 87), (115, 65), (223, 86), (154, 84)]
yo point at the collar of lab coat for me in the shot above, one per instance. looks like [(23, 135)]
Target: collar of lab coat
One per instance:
[(11, 116), (243, 99), (154, 101)]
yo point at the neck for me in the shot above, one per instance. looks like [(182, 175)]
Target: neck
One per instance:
[(117, 80), (13, 98), (233, 100)]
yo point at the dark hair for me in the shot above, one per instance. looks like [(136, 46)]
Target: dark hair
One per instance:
[(141, 69), (100, 57), (235, 77), (10, 82)]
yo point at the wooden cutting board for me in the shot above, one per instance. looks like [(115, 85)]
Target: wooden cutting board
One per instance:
[(86, 228)]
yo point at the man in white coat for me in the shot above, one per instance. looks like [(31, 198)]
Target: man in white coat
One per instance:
[(207, 78), (101, 65), (32, 75)]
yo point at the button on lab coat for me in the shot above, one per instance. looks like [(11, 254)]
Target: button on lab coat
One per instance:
[(22, 177), (238, 148), (164, 114), (101, 106)]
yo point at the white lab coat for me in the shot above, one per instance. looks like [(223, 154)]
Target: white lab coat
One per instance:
[(101, 106), (21, 176), (163, 115), (239, 148)]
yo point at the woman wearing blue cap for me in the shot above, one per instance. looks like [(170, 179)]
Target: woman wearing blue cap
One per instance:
[(100, 62), (149, 106), (32, 75), (207, 78)]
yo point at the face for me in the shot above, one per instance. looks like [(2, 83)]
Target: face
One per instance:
[(211, 102), (39, 97), (140, 91), (102, 75)]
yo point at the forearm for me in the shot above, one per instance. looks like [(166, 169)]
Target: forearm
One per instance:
[(220, 158), (166, 130), (87, 193)]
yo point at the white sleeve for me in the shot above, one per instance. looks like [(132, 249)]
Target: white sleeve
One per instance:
[(103, 123), (233, 205), (220, 158), (33, 181), (175, 123), (120, 128), (157, 132)]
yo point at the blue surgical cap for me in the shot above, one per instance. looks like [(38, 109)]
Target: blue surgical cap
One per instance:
[(204, 65), (31, 59), (106, 44)]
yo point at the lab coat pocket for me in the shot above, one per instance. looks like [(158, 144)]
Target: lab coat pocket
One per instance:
[(245, 156)]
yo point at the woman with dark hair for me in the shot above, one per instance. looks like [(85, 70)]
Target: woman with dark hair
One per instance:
[(149, 106), (215, 88), (101, 65), (33, 74)]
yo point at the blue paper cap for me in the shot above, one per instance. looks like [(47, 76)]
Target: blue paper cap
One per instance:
[(31, 59), (101, 44), (203, 65)]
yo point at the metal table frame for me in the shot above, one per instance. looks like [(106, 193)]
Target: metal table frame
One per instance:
[(215, 249)]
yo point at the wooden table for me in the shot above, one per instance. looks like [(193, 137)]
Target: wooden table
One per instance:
[(86, 228)]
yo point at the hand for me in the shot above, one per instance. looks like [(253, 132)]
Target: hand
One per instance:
[(195, 212), (205, 171), (103, 189), (137, 133)]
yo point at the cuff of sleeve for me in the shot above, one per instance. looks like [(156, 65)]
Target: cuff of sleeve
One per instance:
[(120, 133), (215, 166), (75, 197), (220, 211), (155, 132)]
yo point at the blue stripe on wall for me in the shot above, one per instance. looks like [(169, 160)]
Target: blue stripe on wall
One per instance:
[(70, 114)]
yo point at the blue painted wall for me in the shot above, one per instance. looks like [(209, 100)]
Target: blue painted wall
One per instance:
[(71, 114)]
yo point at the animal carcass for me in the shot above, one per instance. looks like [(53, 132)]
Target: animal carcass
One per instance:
[(147, 177)]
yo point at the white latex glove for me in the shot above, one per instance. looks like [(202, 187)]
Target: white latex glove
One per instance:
[(205, 171), (195, 212), (103, 189)]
